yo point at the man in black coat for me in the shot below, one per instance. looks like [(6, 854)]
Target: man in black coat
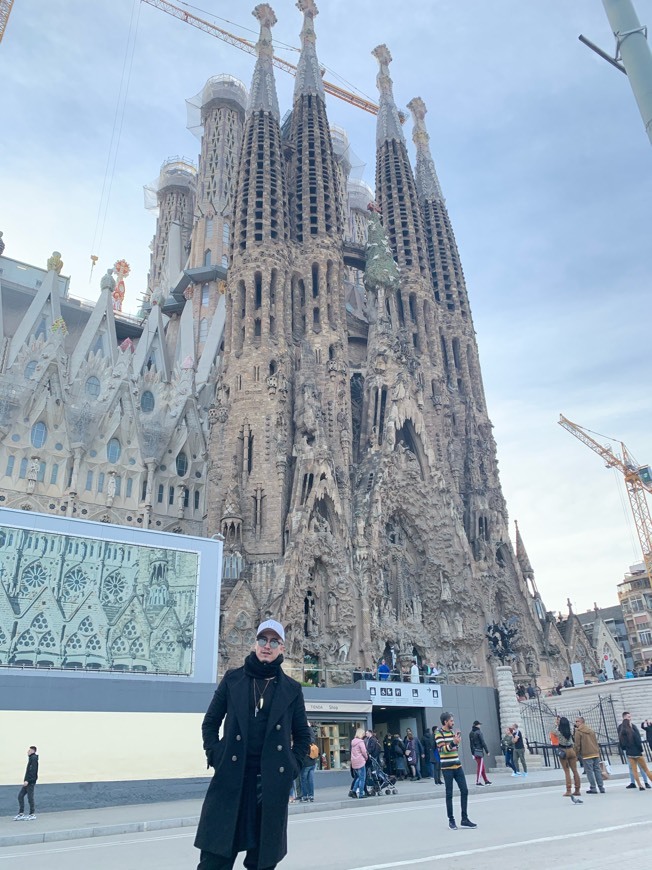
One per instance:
[(265, 739), (31, 775)]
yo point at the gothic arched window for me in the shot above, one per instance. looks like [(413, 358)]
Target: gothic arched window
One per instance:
[(93, 387), (113, 450), (39, 434)]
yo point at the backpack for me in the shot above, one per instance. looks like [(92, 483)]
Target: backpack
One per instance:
[(313, 752)]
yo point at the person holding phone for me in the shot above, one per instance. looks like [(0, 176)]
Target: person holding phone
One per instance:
[(448, 742)]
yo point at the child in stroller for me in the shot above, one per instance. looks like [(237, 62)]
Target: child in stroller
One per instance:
[(378, 781)]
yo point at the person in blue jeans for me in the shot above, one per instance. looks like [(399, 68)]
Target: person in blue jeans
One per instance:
[(308, 776), (359, 756)]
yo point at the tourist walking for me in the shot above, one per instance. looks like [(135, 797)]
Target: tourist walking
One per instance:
[(630, 740), (448, 742), (507, 745), (565, 750), (478, 750), (383, 670), (265, 740), (359, 757), (415, 676), (588, 749), (519, 748), (412, 752), (27, 790)]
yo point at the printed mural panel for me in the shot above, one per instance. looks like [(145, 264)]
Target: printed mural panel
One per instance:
[(76, 602)]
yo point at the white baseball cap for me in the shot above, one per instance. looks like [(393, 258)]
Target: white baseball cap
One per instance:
[(272, 625)]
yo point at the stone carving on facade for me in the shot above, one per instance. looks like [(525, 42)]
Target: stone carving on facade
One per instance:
[(55, 263)]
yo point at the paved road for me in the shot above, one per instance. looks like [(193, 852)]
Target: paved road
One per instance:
[(513, 829)]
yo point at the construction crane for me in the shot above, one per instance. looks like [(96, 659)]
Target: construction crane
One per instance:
[(638, 480), (250, 47), (5, 9)]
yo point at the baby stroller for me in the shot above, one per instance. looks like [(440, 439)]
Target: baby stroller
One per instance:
[(378, 781)]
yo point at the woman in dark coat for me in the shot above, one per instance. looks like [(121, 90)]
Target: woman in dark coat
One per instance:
[(265, 739)]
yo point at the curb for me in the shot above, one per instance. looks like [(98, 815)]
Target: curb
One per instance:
[(293, 810)]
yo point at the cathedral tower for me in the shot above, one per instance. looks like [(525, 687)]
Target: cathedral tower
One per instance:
[(251, 434), (172, 195)]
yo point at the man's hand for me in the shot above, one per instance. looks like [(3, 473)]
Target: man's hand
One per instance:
[(25, 784)]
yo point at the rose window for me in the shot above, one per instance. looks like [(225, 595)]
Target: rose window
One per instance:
[(74, 644), (74, 583), (94, 644), (115, 589), (34, 576)]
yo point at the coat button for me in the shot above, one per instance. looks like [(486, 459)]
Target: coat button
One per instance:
[(278, 727), (237, 737), (281, 770), (279, 747), (234, 758)]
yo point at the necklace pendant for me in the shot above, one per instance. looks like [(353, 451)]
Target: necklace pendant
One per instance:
[(260, 704)]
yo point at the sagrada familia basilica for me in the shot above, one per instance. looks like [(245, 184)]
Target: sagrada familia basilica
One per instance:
[(303, 379)]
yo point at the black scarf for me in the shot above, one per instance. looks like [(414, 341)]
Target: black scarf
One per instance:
[(262, 670)]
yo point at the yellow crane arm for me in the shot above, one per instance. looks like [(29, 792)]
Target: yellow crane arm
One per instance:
[(637, 480), (250, 48)]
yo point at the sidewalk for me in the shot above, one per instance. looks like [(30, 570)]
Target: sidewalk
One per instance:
[(81, 824)]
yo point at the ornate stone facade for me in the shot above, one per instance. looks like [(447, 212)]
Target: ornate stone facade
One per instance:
[(320, 404), (354, 473)]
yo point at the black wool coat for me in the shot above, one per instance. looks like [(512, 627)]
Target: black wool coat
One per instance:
[(287, 740)]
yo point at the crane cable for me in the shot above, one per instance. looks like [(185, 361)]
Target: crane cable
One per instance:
[(627, 513), (116, 133)]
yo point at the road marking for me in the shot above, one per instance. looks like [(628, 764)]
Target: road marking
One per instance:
[(357, 812), (24, 855), (482, 850)]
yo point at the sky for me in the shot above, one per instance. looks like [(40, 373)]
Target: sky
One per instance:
[(542, 157)]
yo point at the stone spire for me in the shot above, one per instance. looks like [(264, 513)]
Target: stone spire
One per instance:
[(260, 202), (313, 174), (522, 556), (262, 96), (388, 126), (395, 188), (308, 80), (428, 186), (446, 273)]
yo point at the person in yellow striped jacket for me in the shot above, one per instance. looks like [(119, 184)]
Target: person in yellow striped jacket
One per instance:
[(448, 741)]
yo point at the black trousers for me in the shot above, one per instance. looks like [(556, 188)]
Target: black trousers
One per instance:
[(29, 791), (437, 771), (455, 774), (211, 861)]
